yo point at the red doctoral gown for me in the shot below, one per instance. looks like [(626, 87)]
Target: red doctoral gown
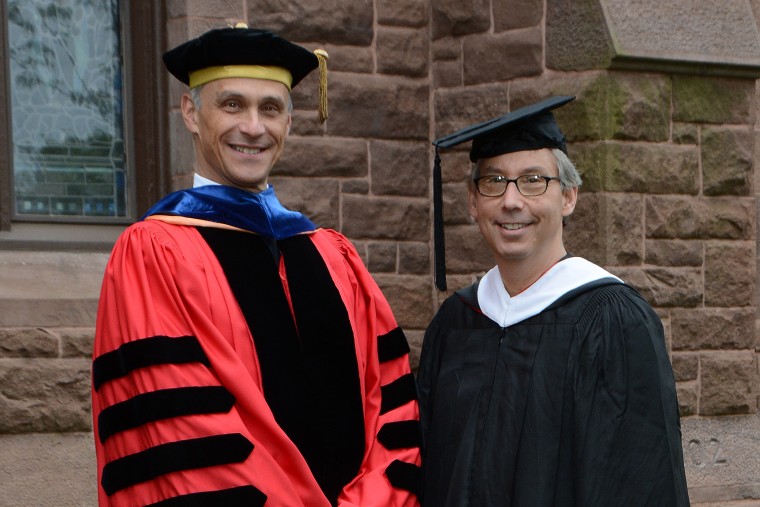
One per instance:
[(189, 409)]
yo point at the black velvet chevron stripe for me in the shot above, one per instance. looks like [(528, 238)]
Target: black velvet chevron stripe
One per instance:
[(406, 476), (392, 345), (400, 435), (146, 352), (400, 391), (163, 404), (243, 496), (173, 457)]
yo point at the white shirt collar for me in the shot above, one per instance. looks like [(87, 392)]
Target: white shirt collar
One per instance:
[(496, 303), (199, 181)]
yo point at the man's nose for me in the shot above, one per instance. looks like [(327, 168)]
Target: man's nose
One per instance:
[(252, 124), (511, 197)]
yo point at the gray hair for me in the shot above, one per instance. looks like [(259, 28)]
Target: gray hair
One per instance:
[(569, 177), (195, 94)]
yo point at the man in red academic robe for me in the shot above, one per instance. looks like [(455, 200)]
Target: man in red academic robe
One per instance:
[(244, 356)]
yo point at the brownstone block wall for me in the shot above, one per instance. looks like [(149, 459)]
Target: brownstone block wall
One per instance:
[(667, 150)]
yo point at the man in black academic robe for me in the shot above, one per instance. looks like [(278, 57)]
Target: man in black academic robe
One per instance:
[(546, 383)]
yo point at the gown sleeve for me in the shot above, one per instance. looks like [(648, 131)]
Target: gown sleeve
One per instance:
[(179, 415), (627, 431), (390, 473)]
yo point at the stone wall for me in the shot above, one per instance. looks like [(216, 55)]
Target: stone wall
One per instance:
[(48, 302), (663, 131)]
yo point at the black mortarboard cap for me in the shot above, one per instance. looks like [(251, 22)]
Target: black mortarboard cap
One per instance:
[(239, 46), (246, 52), (528, 128)]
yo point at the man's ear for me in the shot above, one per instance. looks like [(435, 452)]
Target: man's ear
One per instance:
[(472, 202), (189, 113), (569, 197)]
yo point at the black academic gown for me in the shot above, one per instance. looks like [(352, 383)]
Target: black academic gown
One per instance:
[(575, 406)]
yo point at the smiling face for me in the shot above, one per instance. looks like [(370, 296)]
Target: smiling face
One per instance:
[(523, 233), (239, 130)]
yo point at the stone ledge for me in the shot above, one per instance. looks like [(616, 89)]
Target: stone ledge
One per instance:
[(720, 455), (654, 32), (38, 274), (48, 470), (654, 36), (704, 497), (48, 312)]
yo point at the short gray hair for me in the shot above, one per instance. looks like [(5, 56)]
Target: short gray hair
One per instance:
[(569, 177), (195, 94)]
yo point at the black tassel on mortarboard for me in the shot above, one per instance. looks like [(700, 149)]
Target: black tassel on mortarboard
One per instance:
[(438, 233)]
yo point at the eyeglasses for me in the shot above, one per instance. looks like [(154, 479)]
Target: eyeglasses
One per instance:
[(529, 185)]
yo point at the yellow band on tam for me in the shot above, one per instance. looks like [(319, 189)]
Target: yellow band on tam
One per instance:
[(203, 76)]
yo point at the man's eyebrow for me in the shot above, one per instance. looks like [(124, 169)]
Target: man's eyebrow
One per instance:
[(274, 98), (228, 94)]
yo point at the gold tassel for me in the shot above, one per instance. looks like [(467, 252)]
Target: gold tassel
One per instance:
[(322, 57)]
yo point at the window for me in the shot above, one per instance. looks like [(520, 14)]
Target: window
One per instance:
[(84, 86), (67, 125)]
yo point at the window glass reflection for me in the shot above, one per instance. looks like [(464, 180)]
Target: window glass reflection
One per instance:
[(67, 108)]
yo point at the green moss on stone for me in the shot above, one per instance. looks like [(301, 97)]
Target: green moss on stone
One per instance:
[(712, 100)]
